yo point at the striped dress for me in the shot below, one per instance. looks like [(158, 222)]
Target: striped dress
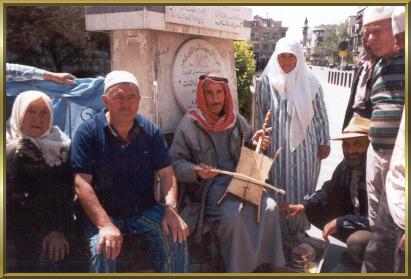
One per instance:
[(296, 172)]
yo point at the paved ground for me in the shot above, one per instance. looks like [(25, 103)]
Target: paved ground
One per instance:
[(336, 99)]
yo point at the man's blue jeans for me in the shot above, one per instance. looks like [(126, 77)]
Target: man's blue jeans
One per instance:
[(165, 255)]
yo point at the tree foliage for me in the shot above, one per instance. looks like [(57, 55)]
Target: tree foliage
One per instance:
[(245, 69), (333, 35), (55, 38)]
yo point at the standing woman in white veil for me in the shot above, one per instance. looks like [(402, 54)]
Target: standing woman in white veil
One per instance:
[(300, 129)]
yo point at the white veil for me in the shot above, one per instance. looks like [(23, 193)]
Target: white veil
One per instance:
[(53, 144), (299, 87)]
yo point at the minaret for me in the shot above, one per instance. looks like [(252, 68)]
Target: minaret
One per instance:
[(305, 30)]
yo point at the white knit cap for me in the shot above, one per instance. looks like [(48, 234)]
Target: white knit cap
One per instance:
[(398, 20), (116, 77), (376, 13)]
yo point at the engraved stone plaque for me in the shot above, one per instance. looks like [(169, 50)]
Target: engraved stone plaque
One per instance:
[(195, 57), (228, 19)]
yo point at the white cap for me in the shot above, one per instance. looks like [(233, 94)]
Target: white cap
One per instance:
[(398, 20), (376, 13), (116, 77)]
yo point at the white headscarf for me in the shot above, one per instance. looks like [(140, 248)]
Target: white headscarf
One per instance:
[(53, 144), (398, 20), (299, 87)]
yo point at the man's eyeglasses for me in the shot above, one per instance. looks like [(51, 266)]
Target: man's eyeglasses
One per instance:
[(202, 77)]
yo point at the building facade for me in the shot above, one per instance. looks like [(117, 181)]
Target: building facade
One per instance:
[(356, 35), (314, 36), (265, 33)]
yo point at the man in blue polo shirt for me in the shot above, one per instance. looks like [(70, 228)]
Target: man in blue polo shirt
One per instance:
[(115, 158)]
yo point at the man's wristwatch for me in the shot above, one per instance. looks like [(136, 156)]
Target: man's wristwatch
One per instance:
[(173, 205)]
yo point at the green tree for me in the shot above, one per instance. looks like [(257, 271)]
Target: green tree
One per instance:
[(55, 38), (245, 69), (333, 35)]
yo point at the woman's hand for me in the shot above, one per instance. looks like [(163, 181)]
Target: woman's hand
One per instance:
[(402, 242), (323, 152), (55, 246)]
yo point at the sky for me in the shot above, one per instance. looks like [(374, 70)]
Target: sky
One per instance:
[(293, 17)]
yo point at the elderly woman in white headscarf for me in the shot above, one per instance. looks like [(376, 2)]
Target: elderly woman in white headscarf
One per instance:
[(39, 187), (300, 128)]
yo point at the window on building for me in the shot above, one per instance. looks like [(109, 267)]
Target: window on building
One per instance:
[(274, 36), (265, 46), (265, 36)]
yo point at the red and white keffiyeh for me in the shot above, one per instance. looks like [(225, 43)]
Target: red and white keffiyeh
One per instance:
[(208, 120)]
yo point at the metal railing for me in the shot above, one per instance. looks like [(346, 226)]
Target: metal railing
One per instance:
[(341, 78)]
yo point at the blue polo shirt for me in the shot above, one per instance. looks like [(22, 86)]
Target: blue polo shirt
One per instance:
[(123, 174)]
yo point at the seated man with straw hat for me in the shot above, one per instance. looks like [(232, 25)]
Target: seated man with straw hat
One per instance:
[(340, 207)]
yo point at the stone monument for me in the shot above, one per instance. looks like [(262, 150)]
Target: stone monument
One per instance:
[(168, 48)]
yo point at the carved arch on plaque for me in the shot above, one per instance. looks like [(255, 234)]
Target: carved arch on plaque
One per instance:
[(193, 58)]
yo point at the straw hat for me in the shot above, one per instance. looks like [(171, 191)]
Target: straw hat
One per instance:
[(358, 127)]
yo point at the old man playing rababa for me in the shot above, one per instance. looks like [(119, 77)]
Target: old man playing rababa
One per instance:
[(211, 135)]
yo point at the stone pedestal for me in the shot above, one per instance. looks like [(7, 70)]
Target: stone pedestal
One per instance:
[(168, 47)]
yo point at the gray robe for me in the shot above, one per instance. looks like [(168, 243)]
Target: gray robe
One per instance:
[(244, 244)]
